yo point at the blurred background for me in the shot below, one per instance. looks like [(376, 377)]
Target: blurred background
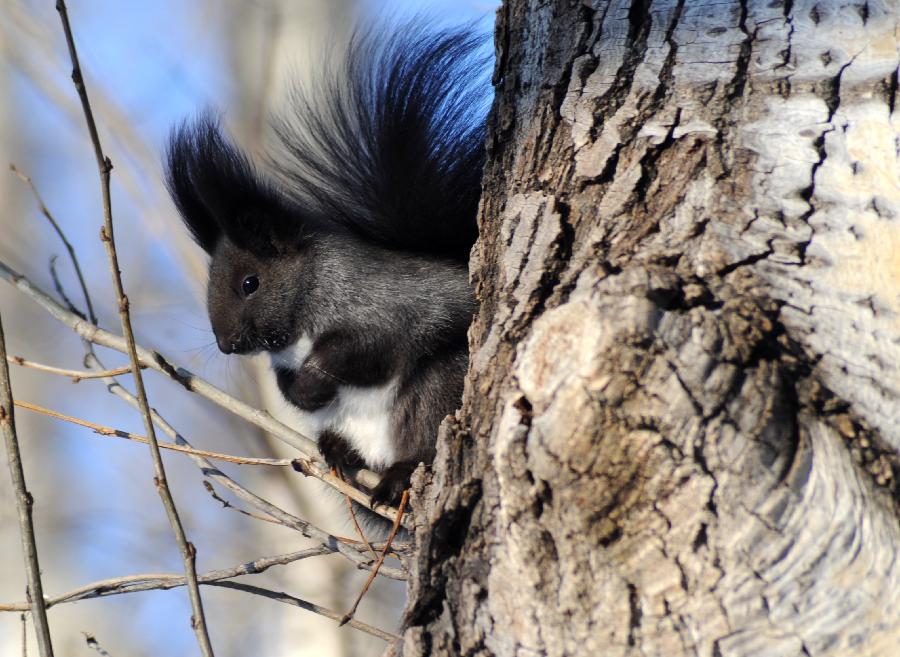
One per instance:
[(148, 65)]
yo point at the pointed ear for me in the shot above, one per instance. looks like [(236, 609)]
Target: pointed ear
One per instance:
[(219, 192)]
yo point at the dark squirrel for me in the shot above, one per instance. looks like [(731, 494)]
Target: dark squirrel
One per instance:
[(346, 260)]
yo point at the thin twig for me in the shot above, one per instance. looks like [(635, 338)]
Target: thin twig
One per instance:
[(24, 503), (127, 435), (57, 285), (289, 520), (355, 520), (228, 505), (387, 546), (306, 467), (93, 644), (104, 166), (309, 606), (76, 375), (163, 581), (49, 216), (342, 546), (26, 56), (359, 530), (24, 620), (309, 464)]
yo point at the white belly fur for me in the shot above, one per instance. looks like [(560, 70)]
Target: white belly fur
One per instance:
[(362, 415)]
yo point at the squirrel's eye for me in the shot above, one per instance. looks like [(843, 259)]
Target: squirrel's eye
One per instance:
[(250, 285)]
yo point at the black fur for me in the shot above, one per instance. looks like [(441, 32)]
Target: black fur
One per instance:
[(359, 240), (390, 143), (337, 452)]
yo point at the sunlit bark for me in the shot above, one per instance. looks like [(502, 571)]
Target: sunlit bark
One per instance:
[(681, 426)]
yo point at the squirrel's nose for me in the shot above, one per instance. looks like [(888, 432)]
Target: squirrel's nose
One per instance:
[(226, 345)]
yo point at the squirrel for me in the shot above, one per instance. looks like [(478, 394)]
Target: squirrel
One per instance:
[(346, 257)]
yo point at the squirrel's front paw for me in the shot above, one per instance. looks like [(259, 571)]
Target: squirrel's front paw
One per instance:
[(337, 452), (307, 389), (393, 482)]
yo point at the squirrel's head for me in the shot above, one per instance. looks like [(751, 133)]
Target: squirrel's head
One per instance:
[(260, 245), (253, 299)]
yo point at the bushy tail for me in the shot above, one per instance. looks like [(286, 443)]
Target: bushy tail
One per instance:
[(389, 142)]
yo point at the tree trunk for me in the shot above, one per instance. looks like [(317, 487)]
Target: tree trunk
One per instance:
[(680, 430)]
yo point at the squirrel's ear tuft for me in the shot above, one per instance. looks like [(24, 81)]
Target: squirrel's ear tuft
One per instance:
[(219, 192)]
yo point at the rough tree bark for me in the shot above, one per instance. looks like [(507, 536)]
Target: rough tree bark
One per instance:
[(680, 430)]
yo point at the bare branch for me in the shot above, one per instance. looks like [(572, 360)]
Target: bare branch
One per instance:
[(387, 546), (333, 543), (359, 530), (127, 435), (228, 505), (309, 464), (104, 165), (62, 293), (24, 503), (343, 546), (24, 618), (330, 544), (49, 216), (289, 520), (93, 644), (309, 606), (25, 44), (163, 581), (77, 375)]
